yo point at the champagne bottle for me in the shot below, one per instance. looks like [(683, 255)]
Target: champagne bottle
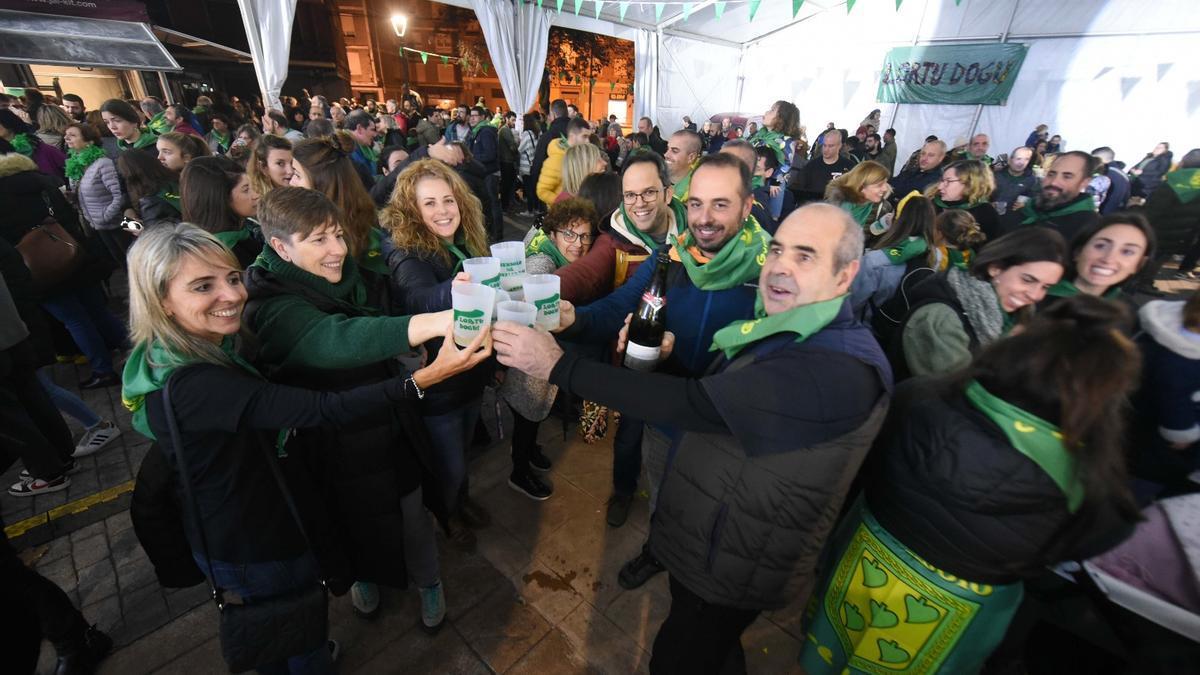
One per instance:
[(649, 322)]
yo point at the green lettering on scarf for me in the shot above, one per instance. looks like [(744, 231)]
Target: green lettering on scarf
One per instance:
[(78, 161), (543, 244), (1033, 216), (911, 248), (805, 321), (1185, 183), (677, 208), (1033, 437), (738, 261)]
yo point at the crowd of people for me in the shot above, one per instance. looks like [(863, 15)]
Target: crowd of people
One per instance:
[(898, 390)]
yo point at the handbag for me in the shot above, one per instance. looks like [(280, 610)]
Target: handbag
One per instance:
[(49, 251), (266, 630)]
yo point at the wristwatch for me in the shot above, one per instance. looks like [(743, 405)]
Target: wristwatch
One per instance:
[(412, 382)]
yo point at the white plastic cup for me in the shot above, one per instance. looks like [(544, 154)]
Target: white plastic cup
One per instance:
[(472, 305), (484, 271), (517, 312), (512, 263), (542, 291)]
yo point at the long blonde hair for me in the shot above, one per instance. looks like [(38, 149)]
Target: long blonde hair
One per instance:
[(402, 216), (978, 182), (154, 260), (579, 163), (853, 181)]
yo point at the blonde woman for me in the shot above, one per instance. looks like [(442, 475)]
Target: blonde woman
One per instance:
[(52, 123), (436, 223), (863, 192), (967, 185), (580, 162)]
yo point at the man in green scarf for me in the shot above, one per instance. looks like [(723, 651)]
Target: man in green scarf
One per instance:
[(156, 116), (1062, 204), (683, 151), (768, 439)]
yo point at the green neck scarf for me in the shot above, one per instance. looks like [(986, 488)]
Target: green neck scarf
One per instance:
[(960, 205), (79, 160), (911, 248), (148, 369), (1067, 289), (774, 140), (145, 138), (738, 261), (350, 291), (757, 182), (475, 129), (231, 238), (1080, 204), (1033, 437), (959, 259), (372, 258), (1185, 183), (369, 153), (22, 144), (541, 243), (677, 208), (159, 124), (861, 213), (221, 139), (170, 195), (805, 321), (458, 254)]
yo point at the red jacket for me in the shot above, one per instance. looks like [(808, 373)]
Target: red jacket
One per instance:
[(591, 277)]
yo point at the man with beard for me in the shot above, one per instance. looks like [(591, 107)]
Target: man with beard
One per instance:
[(872, 147), (73, 105), (1016, 181), (458, 129), (927, 172), (887, 155), (977, 149), (714, 264), (1062, 204)]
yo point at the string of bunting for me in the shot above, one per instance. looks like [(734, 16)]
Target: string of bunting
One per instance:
[(575, 78), (444, 57), (718, 7)]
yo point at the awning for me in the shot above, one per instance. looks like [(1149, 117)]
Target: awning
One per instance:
[(199, 45), (30, 38)]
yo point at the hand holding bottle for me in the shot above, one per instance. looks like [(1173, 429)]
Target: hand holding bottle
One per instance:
[(664, 349)]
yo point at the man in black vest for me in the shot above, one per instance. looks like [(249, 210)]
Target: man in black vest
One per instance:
[(771, 438)]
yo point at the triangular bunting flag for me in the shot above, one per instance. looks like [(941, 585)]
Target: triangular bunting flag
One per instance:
[(898, 4), (578, 4), (445, 60), (754, 8), (424, 57), (849, 5), (719, 9), (539, 4), (658, 8), (599, 6), (614, 87), (485, 68), (591, 83), (559, 3), (624, 6), (796, 4), (687, 10)]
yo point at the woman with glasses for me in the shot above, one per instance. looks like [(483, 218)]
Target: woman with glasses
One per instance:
[(967, 186)]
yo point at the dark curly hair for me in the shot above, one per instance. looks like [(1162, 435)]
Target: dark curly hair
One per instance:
[(563, 213)]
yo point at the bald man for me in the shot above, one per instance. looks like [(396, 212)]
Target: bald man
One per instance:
[(683, 151)]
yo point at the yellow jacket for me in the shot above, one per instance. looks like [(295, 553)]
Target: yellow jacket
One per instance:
[(550, 181)]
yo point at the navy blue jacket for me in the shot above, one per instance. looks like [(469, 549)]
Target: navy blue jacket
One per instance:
[(485, 146)]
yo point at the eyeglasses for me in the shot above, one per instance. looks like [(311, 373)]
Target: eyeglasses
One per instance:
[(947, 181), (647, 196), (570, 236)]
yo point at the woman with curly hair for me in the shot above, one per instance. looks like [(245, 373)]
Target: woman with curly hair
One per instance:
[(967, 185), (435, 223)]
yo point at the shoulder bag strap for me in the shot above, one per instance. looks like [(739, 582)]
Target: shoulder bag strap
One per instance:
[(177, 444)]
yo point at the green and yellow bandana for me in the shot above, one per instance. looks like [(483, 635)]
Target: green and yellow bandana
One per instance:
[(1033, 437), (739, 261), (805, 321), (913, 247), (1185, 183)]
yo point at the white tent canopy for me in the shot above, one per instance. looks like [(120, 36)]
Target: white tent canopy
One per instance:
[(1121, 73)]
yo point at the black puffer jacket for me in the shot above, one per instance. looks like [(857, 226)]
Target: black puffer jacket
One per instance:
[(945, 481), (1175, 221)]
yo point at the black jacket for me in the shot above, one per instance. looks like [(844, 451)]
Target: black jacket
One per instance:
[(944, 480), (984, 214), (158, 522), (1175, 222), (485, 147)]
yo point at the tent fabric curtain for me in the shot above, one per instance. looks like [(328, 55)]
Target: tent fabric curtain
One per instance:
[(517, 36), (269, 32), (645, 82)]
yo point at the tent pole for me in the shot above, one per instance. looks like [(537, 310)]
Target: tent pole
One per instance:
[(1003, 38), (166, 89), (915, 40)]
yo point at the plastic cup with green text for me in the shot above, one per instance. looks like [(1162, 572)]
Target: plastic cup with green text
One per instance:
[(517, 312), (484, 271), (472, 305), (512, 263), (542, 291)]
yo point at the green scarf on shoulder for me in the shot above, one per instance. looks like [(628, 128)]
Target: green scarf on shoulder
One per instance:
[(475, 129), (22, 144), (738, 261), (774, 140), (170, 195), (372, 258), (1033, 437), (221, 139), (909, 249), (1033, 216), (805, 321), (159, 124), (368, 152), (148, 369), (145, 138), (78, 161), (458, 254), (684, 186), (677, 208), (1067, 289), (861, 213), (1185, 183), (757, 182), (541, 243)]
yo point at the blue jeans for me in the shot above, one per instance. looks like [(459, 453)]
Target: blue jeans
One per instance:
[(267, 579), (66, 401), (627, 455), (451, 435), (90, 324)]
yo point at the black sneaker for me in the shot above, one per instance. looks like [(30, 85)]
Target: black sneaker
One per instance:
[(531, 486), (638, 571), (538, 461), (101, 381), (85, 655), (618, 509)]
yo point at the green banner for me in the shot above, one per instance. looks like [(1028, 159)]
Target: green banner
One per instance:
[(951, 74)]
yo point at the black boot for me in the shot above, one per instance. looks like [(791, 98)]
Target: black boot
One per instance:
[(81, 656)]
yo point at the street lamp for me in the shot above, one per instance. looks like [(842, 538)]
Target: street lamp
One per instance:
[(399, 24)]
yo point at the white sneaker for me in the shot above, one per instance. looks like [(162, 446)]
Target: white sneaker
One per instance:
[(364, 596), (96, 439)]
